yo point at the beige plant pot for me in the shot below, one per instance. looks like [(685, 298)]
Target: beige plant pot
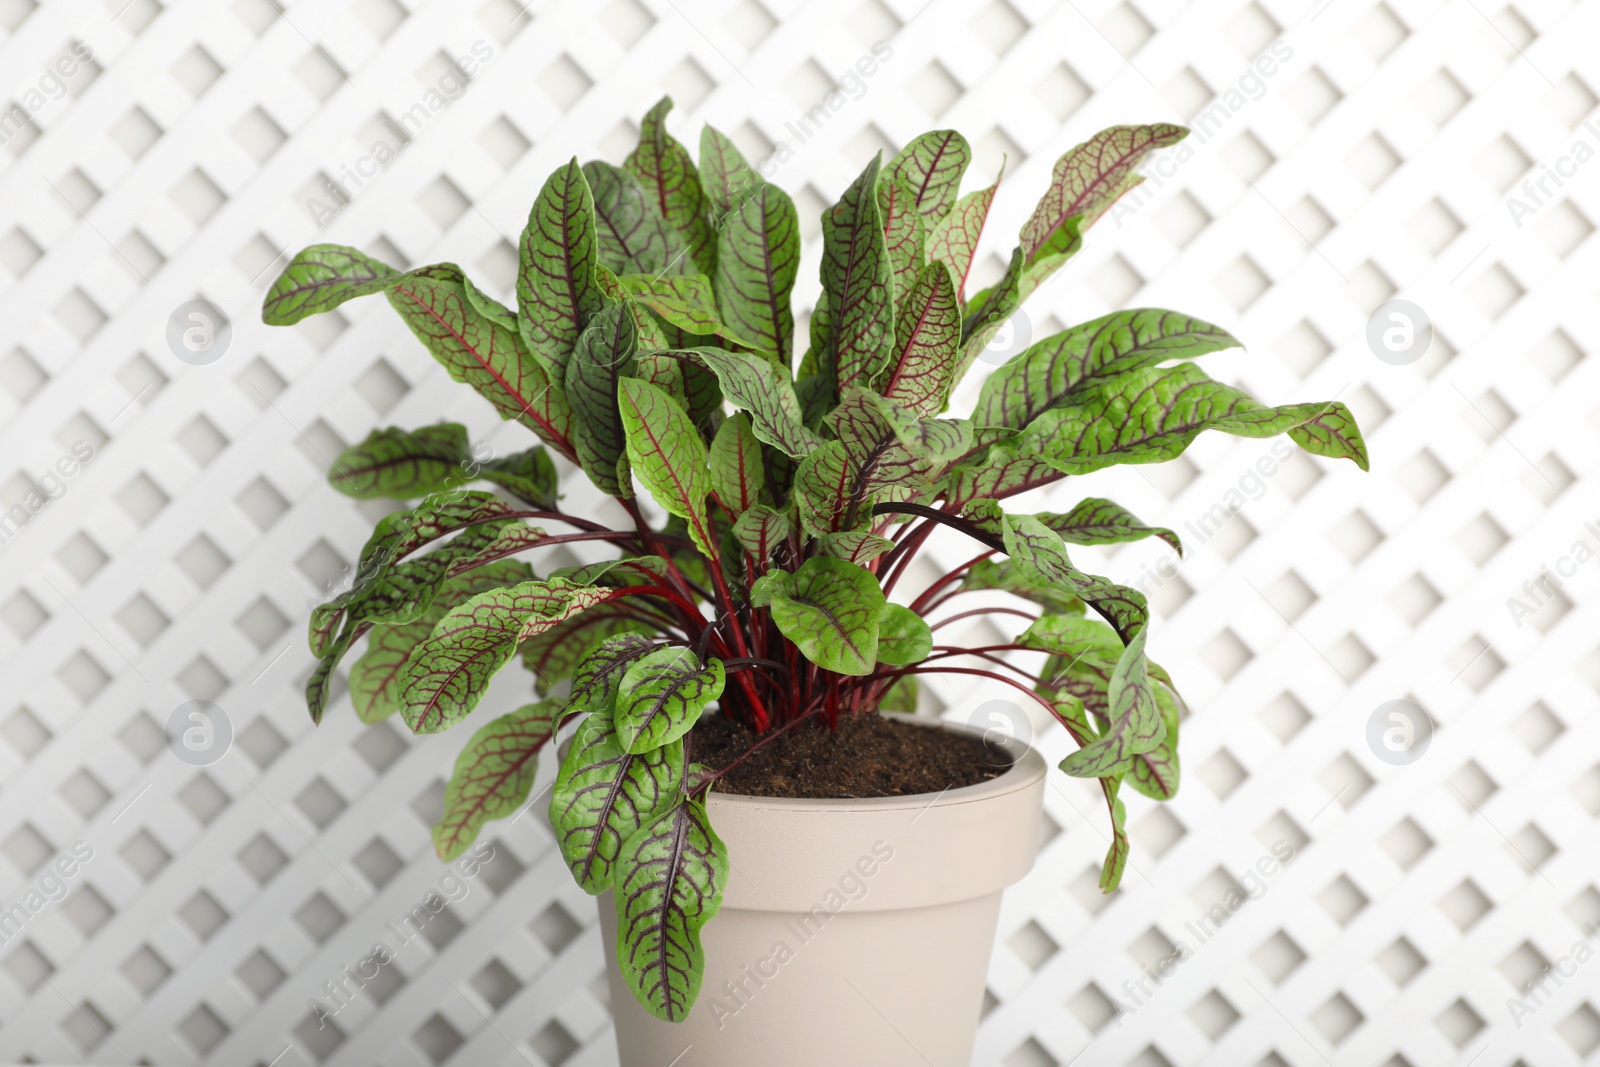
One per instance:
[(852, 931)]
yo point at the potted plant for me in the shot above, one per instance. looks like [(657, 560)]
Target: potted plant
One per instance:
[(726, 666)]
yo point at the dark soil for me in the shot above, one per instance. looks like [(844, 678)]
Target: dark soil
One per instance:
[(868, 756)]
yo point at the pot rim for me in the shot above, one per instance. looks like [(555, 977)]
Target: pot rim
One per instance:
[(1028, 767)]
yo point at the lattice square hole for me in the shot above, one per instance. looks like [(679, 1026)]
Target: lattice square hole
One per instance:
[(1158, 831), (1355, 536), (1459, 1023), (262, 742), (380, 745), (83, 676), (1522, 966), (1342, 900), (260, 974), (1092, 1008), (1061, 92), (87, 910), (378, 862), (1285, 717), (145, 970), (934, 89), (1530, 848), (1337, 1018), (1537, 727), (23, 614), (1465, 905), (1372, 161), (1406, 843), (1222, 773), (1278, 957), (320, 802), (28, 967), (202, 561), (203, 915), (1439, 97), (319, 917), (554, 1043), (1311, 96), (1401, 962), (202, 679), (85, 1026), (1032, 945), (1581, 1030), (203, 1029), (85, 793), (1213, 1014), (1126, 29), (143, 739), (204, 798), (27, 849), (142, 620), (1345, 781), (555, 928), (262, 858), (496, 984)]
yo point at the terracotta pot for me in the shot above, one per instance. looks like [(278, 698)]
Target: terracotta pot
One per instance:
[(852, 931)]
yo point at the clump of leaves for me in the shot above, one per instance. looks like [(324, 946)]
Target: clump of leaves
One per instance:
[(652, 346)]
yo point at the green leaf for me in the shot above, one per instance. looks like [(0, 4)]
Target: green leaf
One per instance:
[(451, 670), (493, 775), (559, 651), (631, 235), (724, 175), (904, 234), (1152, 414), (1101, 522), (683, 300), (669, 883), (1117, 855), (602, 358), (557, 285), (856, 278), (757, 386), (1135, 725), (931, 167), (1088, 179), (760, 530), (903, 637), (1156, 773), (927, 339), (822, 491), (401, 464), (854, 546), (469, 334), (375, 677), (662, 695), (604, 795), (988, 311), (737, 475), (1006, 577), (901, 696), (397, 535), (1042, 560), (668, 455), (529, 475), (595, 681), (319, 279), (671, 183), (830, 609), (758, 257), (954, 240), (1045, 375), (1004, 471)]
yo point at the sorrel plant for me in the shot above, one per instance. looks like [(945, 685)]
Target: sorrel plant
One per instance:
[(652, 343)]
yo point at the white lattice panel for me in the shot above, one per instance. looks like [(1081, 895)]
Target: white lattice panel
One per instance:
[(1369, 156)]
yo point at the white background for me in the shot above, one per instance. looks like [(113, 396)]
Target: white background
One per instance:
[(178, 563)]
